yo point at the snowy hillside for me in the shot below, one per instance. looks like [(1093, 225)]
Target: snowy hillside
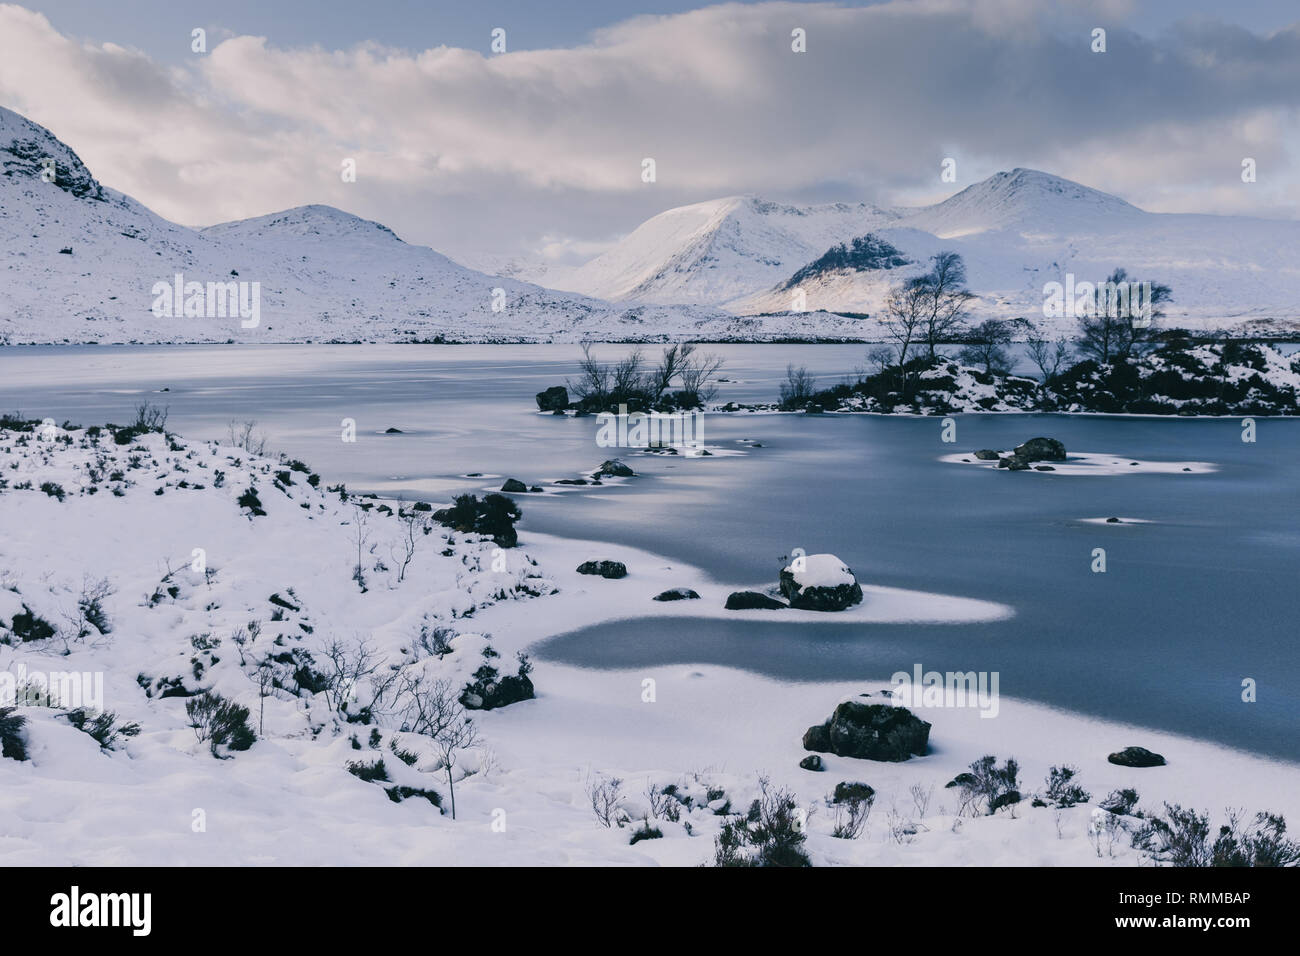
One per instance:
[(188, 594), (78, 263), (1016, 231), (714, 252)]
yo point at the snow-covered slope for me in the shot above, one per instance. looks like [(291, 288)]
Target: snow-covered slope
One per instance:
[(714, 252), (1016, 230), (78, 263)]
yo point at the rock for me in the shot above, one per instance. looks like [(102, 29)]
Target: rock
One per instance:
[(606, 569), (870, 732), (1112, 521), (1040, 449), (812, 762), (514, 486), (851, 792), (572, 481), (554, 399), (536, 489), (823, 583), (961, 780), (613, 469), (677, 594), (393, 431), (490, 694), (987, 454), (1044, 468), (1014, 463), (750, 600), (1004, 800), (1136, 757)]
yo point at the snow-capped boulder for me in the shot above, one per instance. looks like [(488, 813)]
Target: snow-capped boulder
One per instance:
[(1041, 449), (870, 732), (820, 582)]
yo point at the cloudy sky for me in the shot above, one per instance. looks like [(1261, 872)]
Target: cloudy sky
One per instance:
[(538, 151)]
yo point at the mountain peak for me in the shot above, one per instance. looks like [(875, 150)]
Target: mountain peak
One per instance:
[(1015, 198), (314, 221), (28, 150)]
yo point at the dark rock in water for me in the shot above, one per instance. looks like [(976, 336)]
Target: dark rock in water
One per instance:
[(677, 594), (572, 481), (1112, 521), (1041, 449), (1136, 757), (825, 584), (606, 569), (1187, 469), (961, 780), (536, 489), (1132, 464), (393, 431), (1014, 463), (870, 732), (514, 485), (1004, 800), (987, 454), (850, 792), (812, 762), (1044, 468), (750, 600), (613, 469), (558, 411), (554, 399)]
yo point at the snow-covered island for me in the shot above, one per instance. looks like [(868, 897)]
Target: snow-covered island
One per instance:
[(253, 665)]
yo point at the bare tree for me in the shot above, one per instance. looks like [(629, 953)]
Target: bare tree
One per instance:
[(150, 418), (947, 299), (412, 527), (346, 666), (606, 795), (1049, 355), (241, 436), (434, 710), (697, 373), (798, 387), (361, 538), (986, 346), (906, 311), (1111, 330)]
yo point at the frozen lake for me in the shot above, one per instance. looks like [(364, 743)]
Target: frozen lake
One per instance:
[(1192, 603)]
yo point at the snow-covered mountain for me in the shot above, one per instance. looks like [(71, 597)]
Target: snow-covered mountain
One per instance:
[(715, 252), (1016, 230), (79, 262)]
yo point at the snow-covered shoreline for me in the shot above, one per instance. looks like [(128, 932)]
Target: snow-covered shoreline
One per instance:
[(290, 798)]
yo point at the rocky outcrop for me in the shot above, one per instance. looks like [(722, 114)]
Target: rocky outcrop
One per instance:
[(1040, 449), (514, 486), (554, 399), (751, 600), (812, 762), (613, 469), (870, 732), (606, 569), (820, 582), (1136, 757), (676, 594)]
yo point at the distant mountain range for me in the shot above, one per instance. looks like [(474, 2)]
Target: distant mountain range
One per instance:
[(79, 262), (1016, 231)]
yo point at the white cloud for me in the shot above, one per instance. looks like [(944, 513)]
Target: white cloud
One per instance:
[(543, 148)]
